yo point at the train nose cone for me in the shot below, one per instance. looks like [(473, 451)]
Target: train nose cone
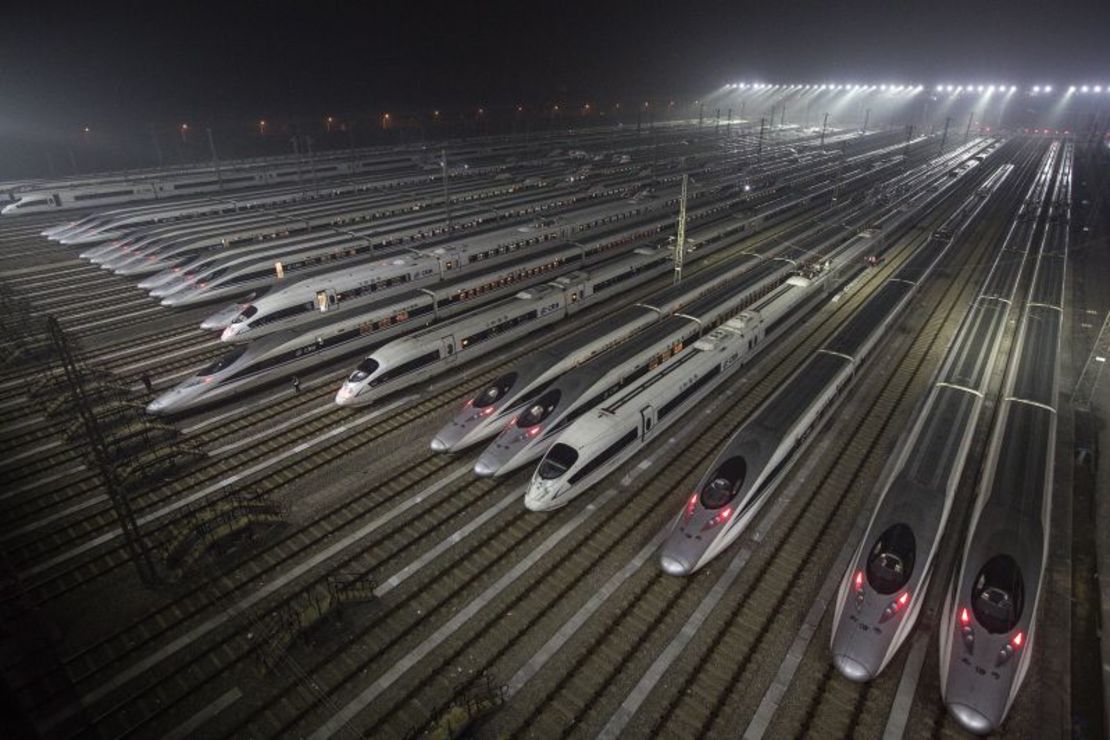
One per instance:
[(345, 396), (851, 669), (438, 445), (157, 406), (674, 566), (970, 720), (484, 468)]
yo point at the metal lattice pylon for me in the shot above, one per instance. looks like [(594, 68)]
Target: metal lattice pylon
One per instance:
[(117, 494)]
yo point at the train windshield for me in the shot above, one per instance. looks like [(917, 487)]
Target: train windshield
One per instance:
[(364, 370), (557, 461), (998, 595), (724, 483), (245, 314), (539, 410), (890, 563), (223, 361), (495, 391)]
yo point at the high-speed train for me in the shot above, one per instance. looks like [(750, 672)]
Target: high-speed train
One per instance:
[(292, 351), (988, 627), (599, 441), (489, 409), (367, 215), (424, 354), (356, 285), (230, 176), (536, 421), (246, 274), (896, 554), (748, 469)]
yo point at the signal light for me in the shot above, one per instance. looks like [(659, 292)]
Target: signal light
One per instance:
[(965, 618), (1018, 639), (859, 580), (534, 431), (903, 599)]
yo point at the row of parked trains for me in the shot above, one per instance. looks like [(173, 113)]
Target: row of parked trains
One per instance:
[(418, 282)]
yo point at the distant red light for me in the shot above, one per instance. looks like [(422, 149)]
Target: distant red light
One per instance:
[(1018, 639), (903, 598), (859, 579), (965, 618), (533, 431)]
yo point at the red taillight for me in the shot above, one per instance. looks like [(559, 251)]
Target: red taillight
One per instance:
[(905, 597), (533, 431), (720, 518), (468, 404), (965, 618), (487, 411), (692, 505), (1018, 639)]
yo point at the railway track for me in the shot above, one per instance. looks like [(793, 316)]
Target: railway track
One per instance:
[(497, 538), (205, 599), (47, 545)]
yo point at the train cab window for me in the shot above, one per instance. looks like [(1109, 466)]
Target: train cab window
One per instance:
[(223, 361), (496, 390), (539, 410), (724, 483), (890, 563), (364, 370), (245, 314), (557, 461), (998, 595)]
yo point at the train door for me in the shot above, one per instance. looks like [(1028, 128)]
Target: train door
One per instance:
[(647, 421), (325, 299), (447, 349)]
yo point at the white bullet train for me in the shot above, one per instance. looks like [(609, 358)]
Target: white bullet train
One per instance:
[(484, 415), (601, 440), (745, 474), (897, 553), (988, 626), (422, 355), (247, 274), (220, 238), (229, 176)]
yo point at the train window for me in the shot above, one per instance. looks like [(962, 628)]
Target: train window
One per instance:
[(890, 563), (495, 390), (223, 361), (557, 461), (539, 410), (245, 314), (998, 596), (406, 367), (724, 483), (603, 457), (363, 370)]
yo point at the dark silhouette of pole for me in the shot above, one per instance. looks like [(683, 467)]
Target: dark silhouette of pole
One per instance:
[(446, 190), (728, 122), (759, 145), (866, 119), (297, 156), (824, 128), (944, 136), (967, 132), (132, 536), (701, 113), (157, 144), (215, 159)]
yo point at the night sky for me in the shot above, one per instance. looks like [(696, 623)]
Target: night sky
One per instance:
[(104, 62)]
